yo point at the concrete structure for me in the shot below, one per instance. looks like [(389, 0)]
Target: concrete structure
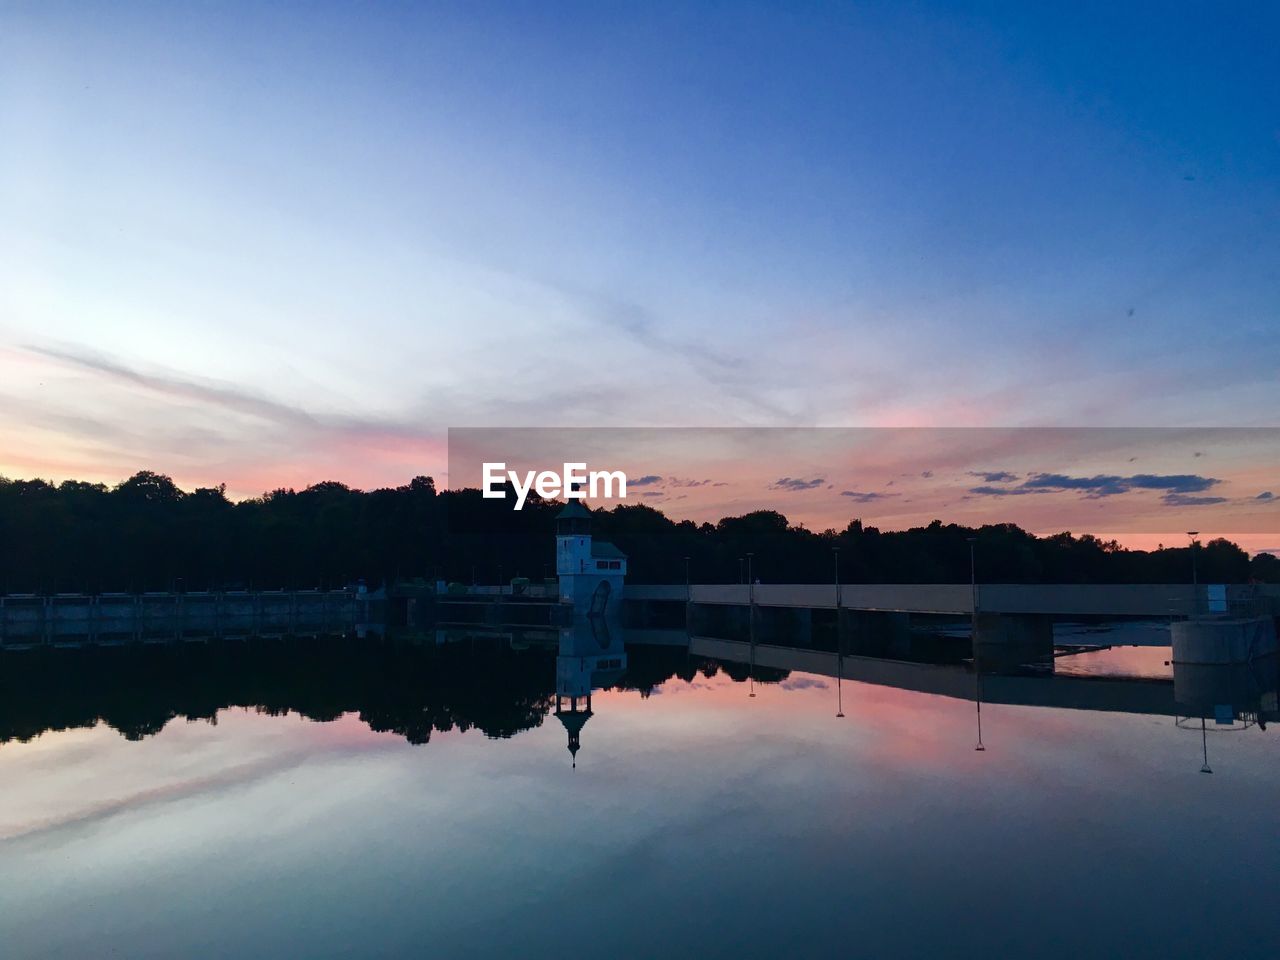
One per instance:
[(1014, 622), (1224, 640), (116, 618)]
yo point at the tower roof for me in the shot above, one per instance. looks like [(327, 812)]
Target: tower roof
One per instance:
[(573, 510), (574, 720)]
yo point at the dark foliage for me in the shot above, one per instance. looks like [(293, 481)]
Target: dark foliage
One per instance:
[(147, 534)]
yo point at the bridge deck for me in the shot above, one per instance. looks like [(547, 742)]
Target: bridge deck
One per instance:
[(1104, 600)]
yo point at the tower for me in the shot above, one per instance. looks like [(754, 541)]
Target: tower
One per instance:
[(591, 572), (573, 539)]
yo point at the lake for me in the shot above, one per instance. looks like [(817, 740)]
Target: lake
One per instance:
[(358, 798)]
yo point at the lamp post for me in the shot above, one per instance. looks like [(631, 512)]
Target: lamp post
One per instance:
[(1193, 534), (973, 629), (688, 590), (835, 552), (1204, 743)]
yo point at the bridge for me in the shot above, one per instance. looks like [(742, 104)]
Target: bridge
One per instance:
[(1053, 599), (1013, 622)]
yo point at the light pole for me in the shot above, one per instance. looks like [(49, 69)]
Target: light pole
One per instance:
[(835, 551), (688, 591), (1195, 574), (973, 629)]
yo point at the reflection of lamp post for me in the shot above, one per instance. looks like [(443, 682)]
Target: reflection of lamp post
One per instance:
[(973, 629), (1204, 743), (835, 552), (751, 621)]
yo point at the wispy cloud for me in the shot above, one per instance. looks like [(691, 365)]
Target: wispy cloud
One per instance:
[(803, 683), (994, 476), (796, 483), (1185, 500), (858, 496), (227, 396), (1105, 485), (209, 431), (986, 491)]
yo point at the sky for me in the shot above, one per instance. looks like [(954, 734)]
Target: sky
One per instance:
[(268, 245)]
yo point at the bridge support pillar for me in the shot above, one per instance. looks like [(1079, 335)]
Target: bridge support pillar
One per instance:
[(874, 633), (1007, 640), (790, 626), (731, 622)]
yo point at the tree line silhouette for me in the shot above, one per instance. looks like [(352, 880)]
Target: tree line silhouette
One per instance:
[(148, 534)]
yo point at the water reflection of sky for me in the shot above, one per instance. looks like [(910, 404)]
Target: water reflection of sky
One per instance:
[(699, 821), (1146, 662)]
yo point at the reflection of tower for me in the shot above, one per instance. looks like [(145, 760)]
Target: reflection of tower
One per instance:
[(574, 719), (590, 571), (590, 658)]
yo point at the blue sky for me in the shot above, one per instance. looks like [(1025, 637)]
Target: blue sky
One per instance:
[(273, 244)]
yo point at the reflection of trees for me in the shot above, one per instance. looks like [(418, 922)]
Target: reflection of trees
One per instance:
[(647, 667), (413, 691)]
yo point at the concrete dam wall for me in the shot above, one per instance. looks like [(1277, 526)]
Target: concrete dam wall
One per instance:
[(72, 619)]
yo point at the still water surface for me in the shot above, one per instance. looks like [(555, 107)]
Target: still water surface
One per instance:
[(434, 810)]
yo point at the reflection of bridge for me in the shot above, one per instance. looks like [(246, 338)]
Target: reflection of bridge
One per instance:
[(948, 680), (1195, 690)]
